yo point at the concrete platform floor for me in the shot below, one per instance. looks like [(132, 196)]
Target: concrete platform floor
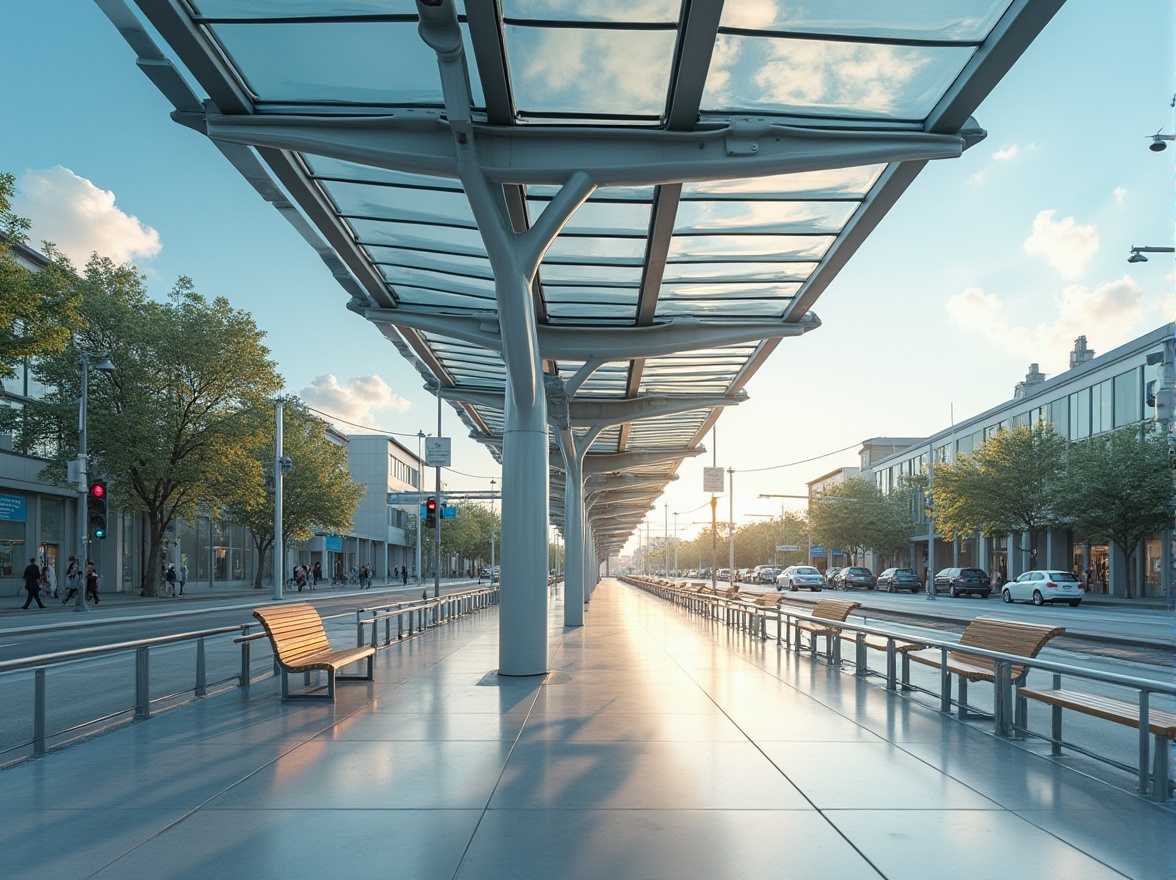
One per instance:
[(658, 747)]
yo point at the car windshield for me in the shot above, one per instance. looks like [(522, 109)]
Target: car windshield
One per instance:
[(903, 571), (1064, 577), (858, 571), (971, 572), (804, 569)]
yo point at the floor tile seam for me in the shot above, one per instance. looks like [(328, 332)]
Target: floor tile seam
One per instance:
[(1067, 843)]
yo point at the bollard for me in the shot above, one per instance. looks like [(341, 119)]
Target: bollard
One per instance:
[(39, 712), (201, 670), (142, 683)]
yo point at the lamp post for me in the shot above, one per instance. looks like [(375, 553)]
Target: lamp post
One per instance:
[(282, 466), (419, 481), (492, 531), (104, 365), (731, 523)]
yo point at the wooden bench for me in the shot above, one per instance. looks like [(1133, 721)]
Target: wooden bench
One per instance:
[(826, 609), (1161, 724), (768, 600), (300, 645), (988, 634)]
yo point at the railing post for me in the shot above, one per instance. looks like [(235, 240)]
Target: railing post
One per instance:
[(201, 669), (1144, 740), (399, 622), (39, 712), (246, 672), (944, 682), (142, 683), (359, 624), (1002, 681)]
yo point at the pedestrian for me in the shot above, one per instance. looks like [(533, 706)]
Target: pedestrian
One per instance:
[(32, 583), (49, 575), (92, 581), (170, 577), (316, 574), (183, 577), (404, 575), (73, 579), (300, 577), (339, 579)]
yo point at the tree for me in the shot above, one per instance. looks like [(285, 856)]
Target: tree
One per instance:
[(1118, 487), (165, 425), (318, 495), (1005, 487), (857, 515), (38, 310)]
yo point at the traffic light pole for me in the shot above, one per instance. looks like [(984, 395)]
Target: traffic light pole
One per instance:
[(83, 490), (437, 536)]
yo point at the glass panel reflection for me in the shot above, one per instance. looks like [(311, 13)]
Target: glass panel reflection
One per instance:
[(855, 181), (339, 169), (816, 77), (939, 20), (398, 203), (653, 11), (798, 271), (442, 238), (713, 216), (754, 247), (590, 72)]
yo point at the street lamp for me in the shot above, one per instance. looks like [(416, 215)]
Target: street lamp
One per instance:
[(1137, 253), (104, 365), (492, 531), (420, 471)]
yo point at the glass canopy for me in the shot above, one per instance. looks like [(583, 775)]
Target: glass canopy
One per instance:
[(760, 247)]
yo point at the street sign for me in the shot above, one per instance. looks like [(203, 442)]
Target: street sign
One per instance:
[(407, 498), (448, 512), (787, 548), (437, 452), (712, 480), (817, 551)]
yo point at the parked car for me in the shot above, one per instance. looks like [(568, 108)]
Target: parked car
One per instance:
[(763, 574), (959, 581), (724, 574), (831, 577), (856, 577), (796, 576), (894, 579), (1040, 587)]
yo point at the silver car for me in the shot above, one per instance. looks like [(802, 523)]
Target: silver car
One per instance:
[(1040, 587), (796, 576)]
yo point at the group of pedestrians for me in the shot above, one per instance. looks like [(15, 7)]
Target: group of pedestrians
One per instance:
[(38, 579), (307, 575), (175, 579)]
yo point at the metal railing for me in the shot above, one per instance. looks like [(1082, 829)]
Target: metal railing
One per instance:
[(428, 613), (420, 614), (1009, 714)]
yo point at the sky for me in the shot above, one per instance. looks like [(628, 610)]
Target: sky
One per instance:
[(988, 262)]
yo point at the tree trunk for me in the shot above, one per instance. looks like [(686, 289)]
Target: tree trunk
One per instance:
[(151, 572), (262, 548)]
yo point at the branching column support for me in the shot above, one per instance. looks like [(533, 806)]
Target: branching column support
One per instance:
[(515, 259)]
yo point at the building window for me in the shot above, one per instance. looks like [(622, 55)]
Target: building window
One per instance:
[(1059, 416), (1101, 401), (1080, 414), (12, 548), (1128, 398)]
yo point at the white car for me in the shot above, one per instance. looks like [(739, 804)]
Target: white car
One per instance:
[(796, 576), (1040, 587)]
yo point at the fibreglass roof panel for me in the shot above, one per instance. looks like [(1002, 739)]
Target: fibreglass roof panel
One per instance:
[(441, 238), (684, 248), (607, 381), (440, 299), (562, 273), (570, 313), (590, 71), (339, 169), (602, 194), (939, 20), (568, 247), (361, 62), (284, 8), (757, 216), (852, 182), (440, 281), (602, 218), (400, 203), (829, 78), (654, 11), (717, 309), (750, 290), (450, 263)]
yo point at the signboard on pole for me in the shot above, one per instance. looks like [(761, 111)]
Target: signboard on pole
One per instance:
[(437, 452), (787, 548), (818, 551), (712, 480), (407, 498), (448, 512)]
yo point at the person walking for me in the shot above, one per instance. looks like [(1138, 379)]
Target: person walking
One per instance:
[(49, 576), (183, 577), (32, 583), (316, 574), (404, 574), (170, 577), (92, 581), (73, 579)]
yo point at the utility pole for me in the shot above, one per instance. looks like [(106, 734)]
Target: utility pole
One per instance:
[(731, 522)]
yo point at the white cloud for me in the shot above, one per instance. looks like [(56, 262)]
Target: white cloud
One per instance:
[(1066, 244), (1108, 316), (1006, 153), (1120, 195), (977, 177), (356, 400), (80, 218)]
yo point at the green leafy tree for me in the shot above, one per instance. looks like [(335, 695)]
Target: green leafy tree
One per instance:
[(38, 310), (857, 516), (1118, 487), (1005, 487), (166, 425), (318, 495)]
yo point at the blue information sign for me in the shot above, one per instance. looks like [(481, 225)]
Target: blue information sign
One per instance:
[(333, 543), (13, 509), (448, 512), (818, 551)]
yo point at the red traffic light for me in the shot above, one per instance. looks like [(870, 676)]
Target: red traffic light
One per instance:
[(431, 504), (98, 489)]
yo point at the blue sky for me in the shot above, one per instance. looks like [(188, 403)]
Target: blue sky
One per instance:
[(988, 263)]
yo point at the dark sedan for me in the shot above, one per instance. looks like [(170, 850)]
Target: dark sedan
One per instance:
[(857, 578), (899, 579), (963, 581)]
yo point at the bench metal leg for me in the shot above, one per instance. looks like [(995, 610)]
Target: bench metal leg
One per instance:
[(891, 658), (1160, 767)]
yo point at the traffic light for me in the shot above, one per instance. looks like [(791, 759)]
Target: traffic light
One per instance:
[(96, 506), (431, 513)]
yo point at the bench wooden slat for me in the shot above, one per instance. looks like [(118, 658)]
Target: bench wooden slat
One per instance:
[(300, 645), (1160, 721), (1004, 636)]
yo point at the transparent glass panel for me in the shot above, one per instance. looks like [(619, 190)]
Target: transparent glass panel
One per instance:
[(1128, 398), (337, 168), (572, 313), (817, 77), (713, 216), (755, 247), (587, 71), (721, 308), (650, 11), (747, 271), (605, 193), (381, 63), (602, 218), (415, 296), (437, 281), (938, 20), (448, 263), (847, 182), (442, 238), (627, 296), (778, 290), (565, 274), (398, 203), (291, 8), (575, 247)]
